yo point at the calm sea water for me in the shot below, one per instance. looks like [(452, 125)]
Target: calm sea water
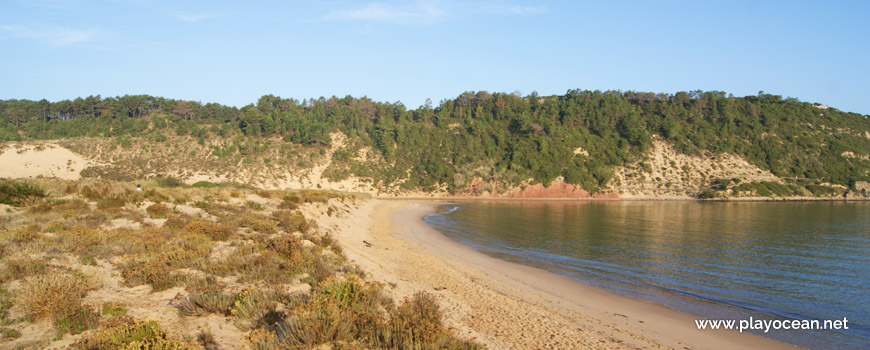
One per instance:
[(808, 260)]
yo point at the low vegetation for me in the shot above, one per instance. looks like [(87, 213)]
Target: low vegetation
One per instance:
[(265, 268), (19, 193)]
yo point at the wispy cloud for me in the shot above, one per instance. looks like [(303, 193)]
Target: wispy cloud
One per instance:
[(526, 10), (53, 35), (428, 12), (197, 17), (417, 13)]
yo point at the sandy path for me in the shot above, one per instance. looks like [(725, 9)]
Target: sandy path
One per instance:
[(505, 305)]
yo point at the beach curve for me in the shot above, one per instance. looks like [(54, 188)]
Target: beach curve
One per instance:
[(506, 305)]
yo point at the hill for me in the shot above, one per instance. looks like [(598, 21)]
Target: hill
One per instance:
[(582, 143)]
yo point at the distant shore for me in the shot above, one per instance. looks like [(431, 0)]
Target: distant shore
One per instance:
[(511, 306)]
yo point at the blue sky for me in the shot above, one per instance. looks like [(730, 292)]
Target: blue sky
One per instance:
[(232, 52)]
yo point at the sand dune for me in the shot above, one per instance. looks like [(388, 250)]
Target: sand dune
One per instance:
[(48, 160)]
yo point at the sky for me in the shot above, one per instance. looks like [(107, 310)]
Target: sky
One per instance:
[(233, 52)]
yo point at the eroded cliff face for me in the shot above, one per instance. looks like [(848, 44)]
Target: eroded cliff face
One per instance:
[(662, 173), (666, 173), (557, 189)]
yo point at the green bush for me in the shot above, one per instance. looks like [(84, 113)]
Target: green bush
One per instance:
[(823, 191), (19, 193), (707, 194), (207, 184)]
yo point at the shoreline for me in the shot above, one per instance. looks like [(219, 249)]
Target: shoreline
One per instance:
[(510, 306)]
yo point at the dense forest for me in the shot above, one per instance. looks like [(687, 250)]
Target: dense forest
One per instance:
[(498, 137)]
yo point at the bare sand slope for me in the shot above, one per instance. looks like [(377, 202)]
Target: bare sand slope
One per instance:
[(48, 160), (505, 305)]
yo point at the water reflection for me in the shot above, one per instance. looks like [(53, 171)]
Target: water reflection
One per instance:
[(795, 260)]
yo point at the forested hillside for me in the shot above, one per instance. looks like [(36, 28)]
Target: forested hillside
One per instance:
[(582, 136)]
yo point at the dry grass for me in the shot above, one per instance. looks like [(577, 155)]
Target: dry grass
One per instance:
[(257, 249), (291, 221), (156, 268), (51, 294), (416, 324), (251, 264), (201, 304), (212, 230), (351, 312), (20, 267), (158, 210), (259, 223)]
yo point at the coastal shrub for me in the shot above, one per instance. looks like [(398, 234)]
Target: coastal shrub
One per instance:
[(9, 333), (112, 309), (202, 284), (823, 191), (127, 333), (55, 294), (342, 308), (212, 230), (416, 324), (285, 204), (768, 189), (71, 207), (22, 235), (138, 273), (111, 203), (299, 258), (721, 184), (206, 339), (254, 265), (206, 184), (21, 267), (44, 206), (259, 223), (6, 304), (249, 307), (155, 195), (291, 221), (19, 193), (201, 304), (348, 310), (177, 221), (77, 321), (254, 205), (310, 196), (156, 269), (158, 210), (169, 182), (707, 194)]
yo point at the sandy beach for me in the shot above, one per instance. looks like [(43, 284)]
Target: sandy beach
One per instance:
[(505, 305)]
